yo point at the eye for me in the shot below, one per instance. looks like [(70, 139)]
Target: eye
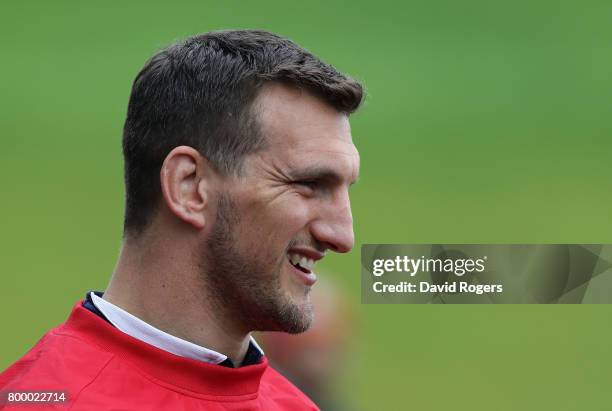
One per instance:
[(308, 186)]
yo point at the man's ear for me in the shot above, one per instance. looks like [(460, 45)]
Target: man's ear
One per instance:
[(186, 179)]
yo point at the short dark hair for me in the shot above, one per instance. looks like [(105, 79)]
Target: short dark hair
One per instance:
[(199, 93)]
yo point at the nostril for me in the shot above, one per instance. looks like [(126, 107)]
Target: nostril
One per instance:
[(336, 234)]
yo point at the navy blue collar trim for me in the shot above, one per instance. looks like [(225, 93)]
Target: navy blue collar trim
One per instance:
[(252, 357)]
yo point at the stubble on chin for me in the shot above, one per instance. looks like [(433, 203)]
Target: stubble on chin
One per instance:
[(238, 286)]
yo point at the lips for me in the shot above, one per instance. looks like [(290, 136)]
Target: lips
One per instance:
[(301, 262), (301, 266)]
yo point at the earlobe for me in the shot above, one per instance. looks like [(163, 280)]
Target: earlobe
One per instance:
[(183, 178)]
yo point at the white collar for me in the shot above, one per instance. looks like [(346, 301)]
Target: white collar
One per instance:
[(142, 331)]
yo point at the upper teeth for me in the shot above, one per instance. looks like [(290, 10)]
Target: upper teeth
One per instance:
[(304, 262)]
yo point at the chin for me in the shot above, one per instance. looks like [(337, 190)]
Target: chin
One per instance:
[(303, 318), (292, 317), (297, 327)]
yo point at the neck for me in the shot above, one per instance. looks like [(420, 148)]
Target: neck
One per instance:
[(160, 285)]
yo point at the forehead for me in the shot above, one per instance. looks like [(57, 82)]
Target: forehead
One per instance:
[(304, 132)]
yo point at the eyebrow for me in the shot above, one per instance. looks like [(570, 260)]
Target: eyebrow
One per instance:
[(318, 173)]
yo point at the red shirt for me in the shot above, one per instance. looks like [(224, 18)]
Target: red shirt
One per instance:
[(102, 368)]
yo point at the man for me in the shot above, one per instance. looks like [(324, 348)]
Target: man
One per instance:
[(238, 161)]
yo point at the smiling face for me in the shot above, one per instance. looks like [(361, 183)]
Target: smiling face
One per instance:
[(288, 208)]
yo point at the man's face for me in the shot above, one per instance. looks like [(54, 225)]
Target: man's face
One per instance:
[(288, 208)]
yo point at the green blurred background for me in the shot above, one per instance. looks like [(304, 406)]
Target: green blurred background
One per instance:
[(486, 122)]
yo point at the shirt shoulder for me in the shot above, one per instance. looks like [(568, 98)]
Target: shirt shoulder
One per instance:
[(58, 362)]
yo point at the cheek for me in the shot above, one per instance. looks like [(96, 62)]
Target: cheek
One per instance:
[(276, 223), (291, 215)]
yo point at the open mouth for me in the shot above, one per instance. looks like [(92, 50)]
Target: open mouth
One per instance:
[(300, 262)]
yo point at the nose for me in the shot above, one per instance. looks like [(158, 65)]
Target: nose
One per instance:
[(334, 225)]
